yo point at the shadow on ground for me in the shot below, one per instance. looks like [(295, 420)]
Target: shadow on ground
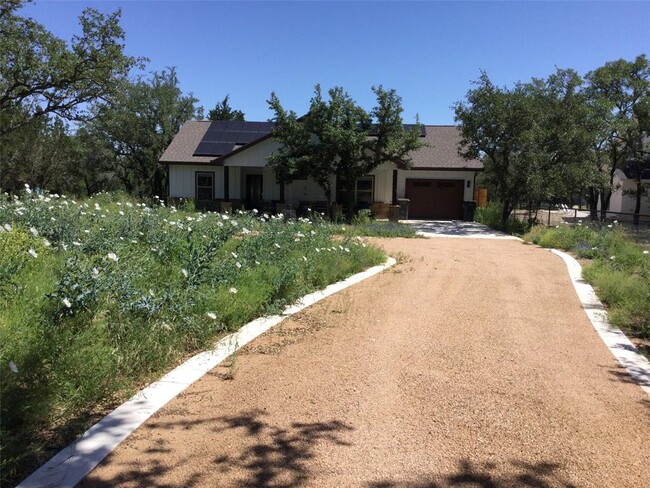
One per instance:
[(488, 475), (271, 456)]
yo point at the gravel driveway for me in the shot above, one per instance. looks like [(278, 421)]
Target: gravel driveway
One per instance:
[(470, 363)]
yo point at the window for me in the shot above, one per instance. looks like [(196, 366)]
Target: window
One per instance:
[(364, 190), (204, 186)]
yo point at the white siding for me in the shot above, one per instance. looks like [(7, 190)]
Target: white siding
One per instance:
[(306, 191), (255, 156), (403, 175), (383, 182), (182, 180)]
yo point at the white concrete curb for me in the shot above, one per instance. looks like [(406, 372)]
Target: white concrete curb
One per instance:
[(74, 462), (620, 346)]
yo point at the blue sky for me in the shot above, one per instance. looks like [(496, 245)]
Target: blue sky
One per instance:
[(428, 51)]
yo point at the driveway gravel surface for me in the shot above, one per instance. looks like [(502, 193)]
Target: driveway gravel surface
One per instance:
[(470, 363)]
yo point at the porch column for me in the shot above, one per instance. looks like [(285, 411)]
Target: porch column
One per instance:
[(226, 183), (394, 187)]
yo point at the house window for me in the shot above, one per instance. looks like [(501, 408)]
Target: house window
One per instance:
[(204, 186), (364, 191)]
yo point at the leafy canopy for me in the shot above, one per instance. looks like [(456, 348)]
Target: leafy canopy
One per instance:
[(223, 111), (42, 75), (338, 137)]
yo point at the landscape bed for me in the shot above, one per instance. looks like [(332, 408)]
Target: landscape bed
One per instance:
[(618, 269), (100, 296)]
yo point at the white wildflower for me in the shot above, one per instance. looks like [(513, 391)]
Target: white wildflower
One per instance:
[(233, 290), (7, 227), (255, 211), (317, 250), (151, 293), (185, 273), (67, 303), (304, 258), (245, 230), (121, 212), (224, 217), (276, 245), (86, 231), (94, 273), (33, 231), (212, 315), (234, 224), (13, 367), (234, 255), (646, 252), (112, 256), (33, 253), (346, 249), (258, 263), (609, 226), (47, 243), (612, 257), (238, 264), (76, 243), (219, 224)]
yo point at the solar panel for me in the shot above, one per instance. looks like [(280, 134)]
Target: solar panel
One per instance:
[(222, 135)]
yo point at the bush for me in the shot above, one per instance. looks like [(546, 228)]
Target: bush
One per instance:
[(490, 215), (99, 296)]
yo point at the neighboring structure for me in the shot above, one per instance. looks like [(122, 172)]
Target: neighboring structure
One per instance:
[(623, 202), (223, 163)]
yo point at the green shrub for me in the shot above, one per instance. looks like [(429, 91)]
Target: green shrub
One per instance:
[(102, 295), (490, 215)]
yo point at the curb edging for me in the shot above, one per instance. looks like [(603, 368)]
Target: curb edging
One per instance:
[(619, 345), (74, 462)]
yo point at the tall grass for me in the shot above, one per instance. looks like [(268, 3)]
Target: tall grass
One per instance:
[(99, 296), (619, 270)]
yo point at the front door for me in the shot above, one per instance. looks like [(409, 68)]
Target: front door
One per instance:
[(253, 191)]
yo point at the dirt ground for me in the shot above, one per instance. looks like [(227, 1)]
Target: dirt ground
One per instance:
[(470, 363)]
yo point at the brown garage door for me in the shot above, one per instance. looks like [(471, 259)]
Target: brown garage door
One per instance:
[(435, 199)]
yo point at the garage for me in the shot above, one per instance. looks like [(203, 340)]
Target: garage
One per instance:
[(435, 199)]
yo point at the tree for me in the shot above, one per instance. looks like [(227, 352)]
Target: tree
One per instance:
[(41, 76), (139, 124), (338, 137), (496, 125), (223, 111), (624, 88)]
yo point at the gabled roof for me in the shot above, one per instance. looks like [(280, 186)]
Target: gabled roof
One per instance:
[(181, 149), (442, 152)]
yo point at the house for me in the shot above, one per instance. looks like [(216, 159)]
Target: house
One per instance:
[(623, 200), (222, 164)]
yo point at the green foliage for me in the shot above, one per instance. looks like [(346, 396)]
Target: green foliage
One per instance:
[(42, 75), (491, 215), (101, 295), (338, 137), (223, 111), (619, 272), (376, 228), (139, 125)]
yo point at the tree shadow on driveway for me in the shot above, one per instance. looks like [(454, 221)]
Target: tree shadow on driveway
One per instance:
[(489, 475), (262, 454), (277, 455)]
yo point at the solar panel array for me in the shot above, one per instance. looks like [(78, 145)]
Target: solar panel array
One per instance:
[(223, 135)]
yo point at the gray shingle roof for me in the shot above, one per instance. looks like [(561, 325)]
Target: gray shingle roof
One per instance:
[(441, 154), (184, 143)]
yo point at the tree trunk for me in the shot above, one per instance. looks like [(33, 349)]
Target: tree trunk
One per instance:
[(592, 197), (639, 194), (505, 213), (605, 197)]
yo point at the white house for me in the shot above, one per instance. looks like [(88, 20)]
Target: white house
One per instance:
[(623, 202), (224, 163)]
